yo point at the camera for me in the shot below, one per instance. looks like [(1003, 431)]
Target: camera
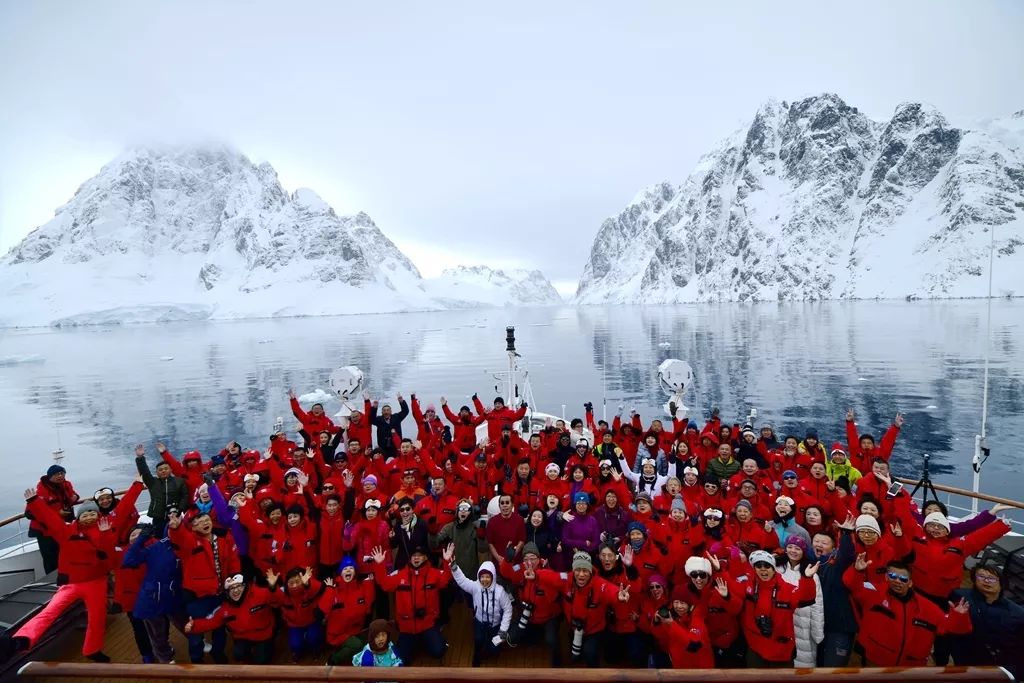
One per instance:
[(664, 613), (764, 625), (523, 510), (577, 638)]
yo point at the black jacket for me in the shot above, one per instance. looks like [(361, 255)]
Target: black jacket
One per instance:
[(163, 493)]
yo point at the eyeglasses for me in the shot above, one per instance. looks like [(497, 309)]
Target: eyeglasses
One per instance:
[(893, 576), (988, 579), (699, 575)]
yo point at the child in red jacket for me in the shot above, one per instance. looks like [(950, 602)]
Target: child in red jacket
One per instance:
[(297, 599)]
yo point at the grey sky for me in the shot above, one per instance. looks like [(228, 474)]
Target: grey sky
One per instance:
[(470, 133)]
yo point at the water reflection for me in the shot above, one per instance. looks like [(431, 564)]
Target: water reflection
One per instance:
[(98, 391)]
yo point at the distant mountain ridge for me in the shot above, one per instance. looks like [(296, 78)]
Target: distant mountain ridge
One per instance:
[(197, 233), (814, 200)]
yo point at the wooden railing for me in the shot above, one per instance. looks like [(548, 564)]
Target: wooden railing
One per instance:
[(349, 674)]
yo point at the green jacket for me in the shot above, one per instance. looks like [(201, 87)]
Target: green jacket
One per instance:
[(833, 471), (465, 539), (163, 493)]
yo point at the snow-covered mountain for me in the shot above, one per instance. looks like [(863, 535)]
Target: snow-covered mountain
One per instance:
[(814, 200), (200, 233), (475, 285)]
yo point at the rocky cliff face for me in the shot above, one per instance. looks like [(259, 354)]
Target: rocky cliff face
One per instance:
[(474, 285), (197, 233), (814, 200)]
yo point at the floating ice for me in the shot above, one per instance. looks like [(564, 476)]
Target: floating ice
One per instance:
[(166, 357), (318, 396), (8, 361)]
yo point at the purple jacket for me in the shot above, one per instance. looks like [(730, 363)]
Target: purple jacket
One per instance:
[(983, 518), (577, 533), (613, 523)]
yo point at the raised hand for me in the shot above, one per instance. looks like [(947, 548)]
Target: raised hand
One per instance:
[(623, 592), (366, 395), (963, 607), (189, 625), (849, 523), (444, 401), (722, 587), (329, 582), (174, 520), (399, 397), (377, 554), (627, 556), (568, 516), (29, 493), (812, 569), (529, 574), (348, 478), (448, 553), (272, 577), (768, 526), (849, 415), (715, 564), (896, 529), (291, 393), (307, 574), (160, 447), (899, 420), (140, 451), (862, 562)]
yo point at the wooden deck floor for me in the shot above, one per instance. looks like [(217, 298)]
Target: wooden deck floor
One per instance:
[(120, 646)]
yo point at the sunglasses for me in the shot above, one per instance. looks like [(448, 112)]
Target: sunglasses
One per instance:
[(789, 477), (763, 565), (405, 509), (699, 575), (328, 487), (893, 576)]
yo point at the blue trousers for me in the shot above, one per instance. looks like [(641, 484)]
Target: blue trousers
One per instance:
[(835, 649), (201, 607), (305, 638), (482, 645)]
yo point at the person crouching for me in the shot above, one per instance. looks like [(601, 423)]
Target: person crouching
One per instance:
[(247, 614), (492, 609)]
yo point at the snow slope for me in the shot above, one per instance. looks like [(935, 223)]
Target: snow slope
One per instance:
[(475, 285), (164, 234), (814, 200)]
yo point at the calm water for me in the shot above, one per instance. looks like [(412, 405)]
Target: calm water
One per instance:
[(98, 391)]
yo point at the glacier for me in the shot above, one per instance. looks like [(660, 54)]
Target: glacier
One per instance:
[(814, 200), (165, 234)]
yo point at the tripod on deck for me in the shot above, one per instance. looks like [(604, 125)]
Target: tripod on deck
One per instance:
[(925, 484)]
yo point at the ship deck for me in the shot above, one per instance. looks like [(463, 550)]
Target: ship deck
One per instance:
[(120, 646)]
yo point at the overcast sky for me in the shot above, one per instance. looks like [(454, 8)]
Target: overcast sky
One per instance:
[(470, 133)]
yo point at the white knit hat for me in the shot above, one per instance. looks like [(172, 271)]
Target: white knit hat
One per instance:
[(868, 522), (761, 556), (697, 564), (936, 518)]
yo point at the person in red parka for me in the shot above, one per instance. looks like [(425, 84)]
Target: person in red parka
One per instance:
[(939, 558), (315, 421), (297, 600), (57, 493), (768, 609), (429, 428), (247, 612), (417, 588), (346, 603), (87, 550), (331, 530), (682, 634), (862, 446), (464, 424), (542, 607), (898, 625), (498, 415), (208, 559)]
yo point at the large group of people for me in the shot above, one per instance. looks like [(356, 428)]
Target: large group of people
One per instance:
[(666, 544)]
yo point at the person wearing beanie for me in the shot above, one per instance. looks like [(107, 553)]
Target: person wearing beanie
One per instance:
[(644, 474), (789, 458), (380, 647), (492, 609), (838, 465), (749, 533), (346, 602), (581, 531), (938, 563), (464, 426), (767, 617), (542, 611), (587, 601), (417, 588), (87, 551), (498, 416), (370, 532), (429, 427), (898, 624), (809, 620), (56, 492)]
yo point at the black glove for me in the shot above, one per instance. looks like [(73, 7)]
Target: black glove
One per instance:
[(588, 406)]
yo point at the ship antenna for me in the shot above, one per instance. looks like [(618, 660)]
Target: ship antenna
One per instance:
[(981, 449)]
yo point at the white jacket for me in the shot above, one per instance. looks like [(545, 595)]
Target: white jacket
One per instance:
[(491, 605), (808, 622)]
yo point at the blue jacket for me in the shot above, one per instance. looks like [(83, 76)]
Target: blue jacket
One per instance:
[(839, 617), (159, 594)]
